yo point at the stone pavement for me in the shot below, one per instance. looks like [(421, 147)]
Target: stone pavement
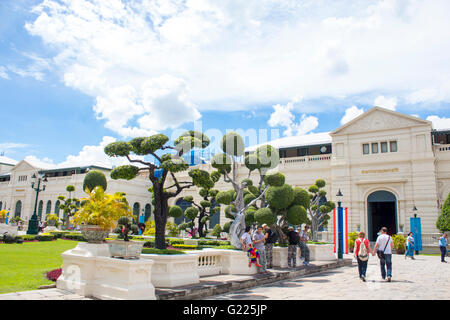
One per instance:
[(425, 278)]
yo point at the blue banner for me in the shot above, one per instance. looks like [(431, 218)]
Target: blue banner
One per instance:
[(416, 229), (340, 231)]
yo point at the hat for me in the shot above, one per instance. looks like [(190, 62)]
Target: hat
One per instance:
[(264, 225)]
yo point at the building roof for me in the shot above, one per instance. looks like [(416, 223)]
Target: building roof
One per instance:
[(311, 139), (8, 161)]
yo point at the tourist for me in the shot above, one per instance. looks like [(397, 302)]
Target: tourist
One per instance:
[(304, 237), (253, 256), (443, 243), (383, 248), (246, 239), (410, 246), (292, 249), (271, 237), (258, 243), (361, 253), (41, 226)]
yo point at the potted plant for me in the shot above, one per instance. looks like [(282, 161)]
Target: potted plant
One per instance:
[(125, 248), (52, 220), (399, 243), (99, 212)]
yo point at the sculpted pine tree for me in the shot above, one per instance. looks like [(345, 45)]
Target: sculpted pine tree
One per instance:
[(203, 210), (70, 205), (169, 164), (243, 195), (319, 207)]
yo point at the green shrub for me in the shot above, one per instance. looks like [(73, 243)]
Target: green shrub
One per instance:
[(265, 215), (74, 236), (280, 197), (175, 211), (185, 246), (94, 178), (58, 234), (443, 221), (352, 236), (229, 247), (28, 237), (42, 237), (275, 179), (161, 251), (175, 241)]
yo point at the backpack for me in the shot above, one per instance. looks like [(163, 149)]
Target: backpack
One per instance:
[(273, 237), (362, 254)]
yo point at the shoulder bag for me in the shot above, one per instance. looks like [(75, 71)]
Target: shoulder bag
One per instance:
[(381, 253)]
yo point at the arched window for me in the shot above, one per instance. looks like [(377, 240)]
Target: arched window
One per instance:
[(18, 210), (49, 207), (1, 205), (184, 205), (147, 211), (57, 203), (136, 208), (40, 207)]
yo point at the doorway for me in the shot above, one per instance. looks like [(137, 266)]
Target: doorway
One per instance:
[(382, 212)]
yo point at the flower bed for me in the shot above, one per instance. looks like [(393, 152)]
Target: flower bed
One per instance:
[(54, 274)]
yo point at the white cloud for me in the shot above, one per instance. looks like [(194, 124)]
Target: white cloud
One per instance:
[(283, 116), (3, 73), (387, 103), (439, 123), (89, 155), (230, 55), (351, 113), (12, 145)]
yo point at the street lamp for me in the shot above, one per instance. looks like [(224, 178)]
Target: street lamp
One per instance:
[(33, 222), (416, 225), (340, 243)]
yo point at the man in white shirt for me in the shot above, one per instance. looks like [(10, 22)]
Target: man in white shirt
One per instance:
[(385, 244), (246, 239)]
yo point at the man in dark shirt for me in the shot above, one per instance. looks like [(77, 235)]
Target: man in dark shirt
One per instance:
[(271, 238), (293, 238)]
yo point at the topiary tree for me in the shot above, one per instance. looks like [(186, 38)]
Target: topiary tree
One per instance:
[(70, 205), (244, 194), (443, 221), (216, 231), (170, 162), (93, 179), (208, 206), (319, 207)]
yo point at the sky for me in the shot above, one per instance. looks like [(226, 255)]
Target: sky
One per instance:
[(76, 75)]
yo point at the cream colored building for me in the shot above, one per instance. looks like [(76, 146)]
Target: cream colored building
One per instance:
[(17, 196), (384, 162)]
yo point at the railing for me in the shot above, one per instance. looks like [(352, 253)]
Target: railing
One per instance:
[(305, 159), (209, 263), (442, 148)]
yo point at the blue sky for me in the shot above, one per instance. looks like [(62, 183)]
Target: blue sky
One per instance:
[(75, 75)]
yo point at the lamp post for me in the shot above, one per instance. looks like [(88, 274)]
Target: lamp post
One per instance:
[(33, 222), (340, 243)]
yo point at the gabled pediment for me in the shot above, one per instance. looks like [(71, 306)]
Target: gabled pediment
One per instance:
[(378, 119), (24, 166)]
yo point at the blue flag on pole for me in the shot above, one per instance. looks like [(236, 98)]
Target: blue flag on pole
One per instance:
[(416, 229)]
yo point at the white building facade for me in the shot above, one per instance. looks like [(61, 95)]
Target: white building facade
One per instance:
[(384, 163), (19, 198)]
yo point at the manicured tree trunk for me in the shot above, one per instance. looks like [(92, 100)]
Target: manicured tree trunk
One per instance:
[(200, 224), (161, 214)]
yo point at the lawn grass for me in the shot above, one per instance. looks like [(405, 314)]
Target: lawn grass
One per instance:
[(23, 266)]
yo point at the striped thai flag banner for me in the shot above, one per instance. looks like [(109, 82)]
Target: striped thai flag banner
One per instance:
[(336, 230)]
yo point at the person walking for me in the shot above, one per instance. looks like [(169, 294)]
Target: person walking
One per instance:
[(361, 252), (292, 249), (383, 248), (271, 237), (258, 243), (410, 246), (443, 243), (304, 237)]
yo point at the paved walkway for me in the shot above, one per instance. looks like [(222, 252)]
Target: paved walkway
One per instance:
[(425, 278)]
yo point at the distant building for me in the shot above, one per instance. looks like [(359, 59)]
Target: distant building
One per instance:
[(17, 196)]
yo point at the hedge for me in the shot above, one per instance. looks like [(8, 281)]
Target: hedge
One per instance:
[(161, 251), (44, 237), (74, 236), (185, 246)]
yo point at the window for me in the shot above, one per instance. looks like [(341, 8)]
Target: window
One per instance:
[(375, 147), (384, 147), (393, 146), (366, 148), (22, 178)]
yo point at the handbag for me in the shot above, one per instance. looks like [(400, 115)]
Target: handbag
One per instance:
[(380, 253)]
